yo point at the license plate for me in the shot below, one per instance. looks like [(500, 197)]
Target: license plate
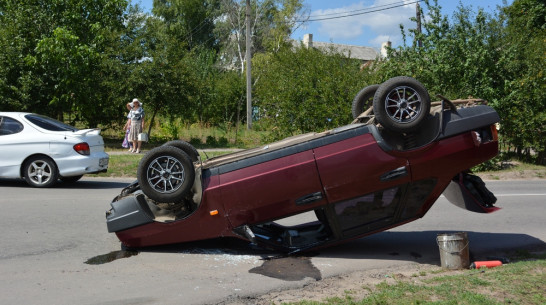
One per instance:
[(103, 162)]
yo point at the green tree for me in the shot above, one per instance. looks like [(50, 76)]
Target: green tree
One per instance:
[(189, 22), (53, 56), (181, 44), (272, 22), (302, 90), (218, 92), (499, 59), (165, 73), (456, 59), (522, 107)]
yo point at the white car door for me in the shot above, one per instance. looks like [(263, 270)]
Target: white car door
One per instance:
[(17, 141)]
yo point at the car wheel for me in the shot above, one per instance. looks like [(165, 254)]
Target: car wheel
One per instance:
[(401, 104), (166, 174), (40, 171), (185, 147), (363, 100), (71, 179)]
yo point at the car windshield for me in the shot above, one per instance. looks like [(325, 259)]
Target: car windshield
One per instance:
[(49, 123)]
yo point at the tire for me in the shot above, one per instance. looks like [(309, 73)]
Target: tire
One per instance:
[(363, 100), (401, 104), (40, 171), (166, 174), (185, 147), (71, 179)]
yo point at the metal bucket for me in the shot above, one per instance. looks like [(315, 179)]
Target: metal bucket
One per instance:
[(454, 252)]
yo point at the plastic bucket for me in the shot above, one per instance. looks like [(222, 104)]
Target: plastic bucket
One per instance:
[(454, 250)]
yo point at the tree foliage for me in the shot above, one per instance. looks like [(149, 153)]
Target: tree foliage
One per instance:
[(456, 59), (271, 23), (498, 58), (523, 57), (302, 90), (53, 54), (83, 60)]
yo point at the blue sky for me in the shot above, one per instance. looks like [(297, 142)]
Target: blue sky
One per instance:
[(368, 29)]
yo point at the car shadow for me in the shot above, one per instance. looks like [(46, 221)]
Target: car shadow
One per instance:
[(419, 247), (94, 184), (422, 246), (221, 245), (84, 184)]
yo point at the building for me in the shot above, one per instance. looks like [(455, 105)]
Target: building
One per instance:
[(365, 54)]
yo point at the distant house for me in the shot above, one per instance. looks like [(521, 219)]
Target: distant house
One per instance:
[(365, 54)]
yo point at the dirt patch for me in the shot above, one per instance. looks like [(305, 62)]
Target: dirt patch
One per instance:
[(291, 268), (531, 174), (358, 285)]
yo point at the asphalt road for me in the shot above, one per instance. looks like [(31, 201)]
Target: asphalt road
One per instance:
[(55, 249)]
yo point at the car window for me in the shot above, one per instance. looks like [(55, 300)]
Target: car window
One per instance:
[(361, 212), (49, 123), (417, 193), (9, 126)]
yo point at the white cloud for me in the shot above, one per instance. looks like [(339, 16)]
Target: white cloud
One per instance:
[(370, 27), (377, 41)]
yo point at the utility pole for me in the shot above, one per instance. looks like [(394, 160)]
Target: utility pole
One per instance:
[(418, 17), (248, 70)]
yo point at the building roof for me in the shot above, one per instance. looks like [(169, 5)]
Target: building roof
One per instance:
[(358, 52)]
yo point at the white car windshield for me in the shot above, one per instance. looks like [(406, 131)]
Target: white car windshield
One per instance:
[(49, 123)]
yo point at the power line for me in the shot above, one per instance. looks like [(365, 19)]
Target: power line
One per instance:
[(359, 10), (368, 11)]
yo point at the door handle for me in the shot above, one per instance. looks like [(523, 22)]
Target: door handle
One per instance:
[(309, 198), (395, 174)]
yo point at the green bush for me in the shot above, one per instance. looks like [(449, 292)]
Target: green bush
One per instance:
[(211, 141), (195, 141), (223, 142)]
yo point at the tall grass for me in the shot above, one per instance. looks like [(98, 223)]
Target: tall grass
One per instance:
[(198, 134)]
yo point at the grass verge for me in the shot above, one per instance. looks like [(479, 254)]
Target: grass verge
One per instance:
[(522, 282), (124, 165)]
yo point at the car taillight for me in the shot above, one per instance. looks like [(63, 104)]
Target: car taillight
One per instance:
[(485, 134), (82, 149), (476, 138), (495, 131)]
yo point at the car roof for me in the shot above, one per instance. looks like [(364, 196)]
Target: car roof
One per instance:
[(14, 113)]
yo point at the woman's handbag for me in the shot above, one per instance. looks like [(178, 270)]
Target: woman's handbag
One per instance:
[(143, 137), (126, 143)]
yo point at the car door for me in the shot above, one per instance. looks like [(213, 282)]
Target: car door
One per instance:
[(358, 166), (285, 184), (364, 185), (12, 147)]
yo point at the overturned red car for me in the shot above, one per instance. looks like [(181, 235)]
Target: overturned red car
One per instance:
[(385, 169)]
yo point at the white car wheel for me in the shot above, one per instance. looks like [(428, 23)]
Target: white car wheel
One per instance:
[(40, 171)]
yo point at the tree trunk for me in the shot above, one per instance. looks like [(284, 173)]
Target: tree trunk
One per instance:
[(541, 158), (152, 123)]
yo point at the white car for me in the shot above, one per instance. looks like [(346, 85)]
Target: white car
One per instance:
[(42, 150)]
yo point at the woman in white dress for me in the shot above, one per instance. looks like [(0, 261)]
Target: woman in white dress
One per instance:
[(136, 115)]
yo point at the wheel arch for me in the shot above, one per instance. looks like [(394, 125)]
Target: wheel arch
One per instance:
[(22, 165)]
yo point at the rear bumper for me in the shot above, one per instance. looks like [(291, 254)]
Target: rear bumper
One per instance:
[(81, 165)]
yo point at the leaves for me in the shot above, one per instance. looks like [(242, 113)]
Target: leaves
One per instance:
[(305, 90), (83, 60), (495, 58)]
